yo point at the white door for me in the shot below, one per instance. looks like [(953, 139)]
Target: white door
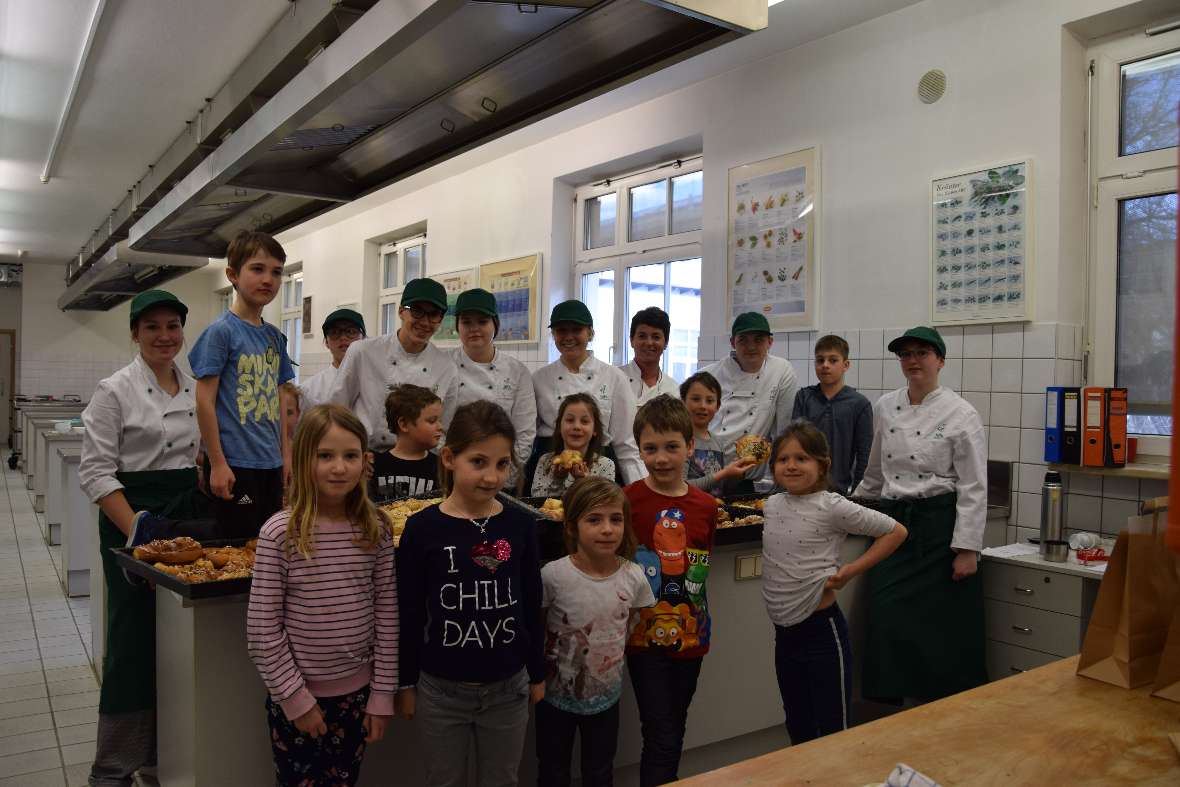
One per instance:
[(6, 383)]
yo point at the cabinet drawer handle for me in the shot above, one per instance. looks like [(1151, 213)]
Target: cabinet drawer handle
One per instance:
[(1025, 591), (1017, 669), (1022, 629)]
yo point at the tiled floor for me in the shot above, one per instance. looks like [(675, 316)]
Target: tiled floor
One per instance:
[(48, 693)]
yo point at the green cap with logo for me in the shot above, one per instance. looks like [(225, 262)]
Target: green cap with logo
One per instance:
[(571, 311), (151, 299), (477, 300), (923, 334), (425, 291), (749, 322), (345, 315)]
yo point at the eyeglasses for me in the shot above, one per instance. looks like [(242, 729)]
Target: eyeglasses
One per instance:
[(918, 355), (343, 333), (418, 313)]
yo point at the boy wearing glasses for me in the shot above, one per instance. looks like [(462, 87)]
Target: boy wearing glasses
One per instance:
[(341, 329), (372, 367)]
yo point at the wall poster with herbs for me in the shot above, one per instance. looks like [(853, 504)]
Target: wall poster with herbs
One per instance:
[(772, 245), (981, 246)]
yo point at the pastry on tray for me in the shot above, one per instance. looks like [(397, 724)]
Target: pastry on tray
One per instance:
[(221, 557), (401, 510), (170, 550), (553, 509), (568, 459), (754, 447)]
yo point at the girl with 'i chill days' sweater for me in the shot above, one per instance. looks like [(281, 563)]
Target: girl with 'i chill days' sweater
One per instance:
[(472, 636), (322, 625)]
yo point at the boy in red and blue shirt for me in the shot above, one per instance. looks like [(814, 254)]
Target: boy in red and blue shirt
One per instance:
[(674, 524)]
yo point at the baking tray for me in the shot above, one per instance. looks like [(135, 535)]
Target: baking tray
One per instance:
[(549, 537), (192, 591)]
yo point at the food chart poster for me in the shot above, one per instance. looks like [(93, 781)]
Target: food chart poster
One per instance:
[(981, 250), (514, 285), (454, 282), (773, 207)]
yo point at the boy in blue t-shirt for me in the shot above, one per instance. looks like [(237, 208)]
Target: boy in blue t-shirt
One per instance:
[(239, 362)]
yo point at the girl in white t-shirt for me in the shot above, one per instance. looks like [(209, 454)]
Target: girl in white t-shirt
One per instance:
[(589, 595), (805, 527)]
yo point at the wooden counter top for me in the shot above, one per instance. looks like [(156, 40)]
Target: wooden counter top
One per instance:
[(1045, 726)]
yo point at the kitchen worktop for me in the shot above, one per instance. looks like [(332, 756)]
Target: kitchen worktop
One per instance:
[(1044, 726), (1033, 559)]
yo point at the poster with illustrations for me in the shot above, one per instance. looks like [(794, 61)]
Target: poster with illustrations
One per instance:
[(773, 205), (981, 250), (514, 285), (454, 282)]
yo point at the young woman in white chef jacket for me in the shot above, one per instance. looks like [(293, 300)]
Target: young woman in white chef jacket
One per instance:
[(486, 373), (578, 371), (139, 454), (757, 391), (341, 328), (928, 468)]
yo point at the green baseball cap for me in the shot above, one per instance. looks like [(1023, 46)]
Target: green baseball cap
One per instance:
[(571, 311), (922, 334), (477, 300), (749, 322), (425, 290), (345, 315), (150, 299)]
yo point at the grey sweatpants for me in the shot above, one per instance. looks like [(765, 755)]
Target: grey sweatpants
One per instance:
[(126, 744)]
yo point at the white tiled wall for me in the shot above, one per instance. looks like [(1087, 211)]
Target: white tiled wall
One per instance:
[(57, 374), (1003, 371)]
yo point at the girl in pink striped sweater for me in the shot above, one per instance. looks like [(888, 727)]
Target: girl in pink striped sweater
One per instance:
[(322, 626)]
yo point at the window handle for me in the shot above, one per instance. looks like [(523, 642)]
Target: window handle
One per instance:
[(1025, 591), (1022, 629)]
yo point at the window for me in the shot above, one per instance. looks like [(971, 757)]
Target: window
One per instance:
[(402, 261), (651, 258), (1133, 229), (292, 316), (225, 299)]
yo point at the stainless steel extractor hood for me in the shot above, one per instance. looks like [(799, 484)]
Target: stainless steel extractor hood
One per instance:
[(121, 273), (412, 83)]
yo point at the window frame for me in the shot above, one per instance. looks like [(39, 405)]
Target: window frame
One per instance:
[(1115, 178), (392, 295), (293, 313), (625, 253)]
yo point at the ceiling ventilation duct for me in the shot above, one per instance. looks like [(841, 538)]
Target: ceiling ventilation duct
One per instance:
[(121, 273), (417, 83)]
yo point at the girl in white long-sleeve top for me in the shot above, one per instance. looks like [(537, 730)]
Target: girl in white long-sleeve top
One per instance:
[(928, 466)]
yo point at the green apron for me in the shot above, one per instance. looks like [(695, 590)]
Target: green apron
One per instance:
[(129, 667), (925, 631)]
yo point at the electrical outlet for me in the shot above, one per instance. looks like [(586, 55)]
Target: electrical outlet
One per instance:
[(747, 567)]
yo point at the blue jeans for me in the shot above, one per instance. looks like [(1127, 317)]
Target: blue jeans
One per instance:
[(813, 661), (663, 690), (450, 711)]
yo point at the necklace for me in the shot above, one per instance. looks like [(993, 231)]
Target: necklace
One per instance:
[(481, 524)]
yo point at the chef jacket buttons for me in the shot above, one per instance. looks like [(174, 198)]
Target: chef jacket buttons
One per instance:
[(888, 456), (186, 390), (169, 445), (395, 363), (559, 377), (461, 366), (425, 370), (491, 387), (911, 456), (891, 431), (919, 434), (149, 390), (462, 384)]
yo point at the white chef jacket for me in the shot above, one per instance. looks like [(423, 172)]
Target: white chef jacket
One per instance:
[(507, 382), (131, 425), (611, 392), (758, 403), (930, 449), (372, 367), (318, 388), (644, 394)]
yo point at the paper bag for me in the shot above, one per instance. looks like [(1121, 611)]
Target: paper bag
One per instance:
[(1167, 677), (1134, 608)]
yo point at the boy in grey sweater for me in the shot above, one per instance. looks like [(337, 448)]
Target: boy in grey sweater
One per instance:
[(840, 412)]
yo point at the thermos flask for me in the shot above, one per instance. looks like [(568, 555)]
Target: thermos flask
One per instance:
[(1054, 546)]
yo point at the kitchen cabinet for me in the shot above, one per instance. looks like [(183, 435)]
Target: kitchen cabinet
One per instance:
[(1035, 611)]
